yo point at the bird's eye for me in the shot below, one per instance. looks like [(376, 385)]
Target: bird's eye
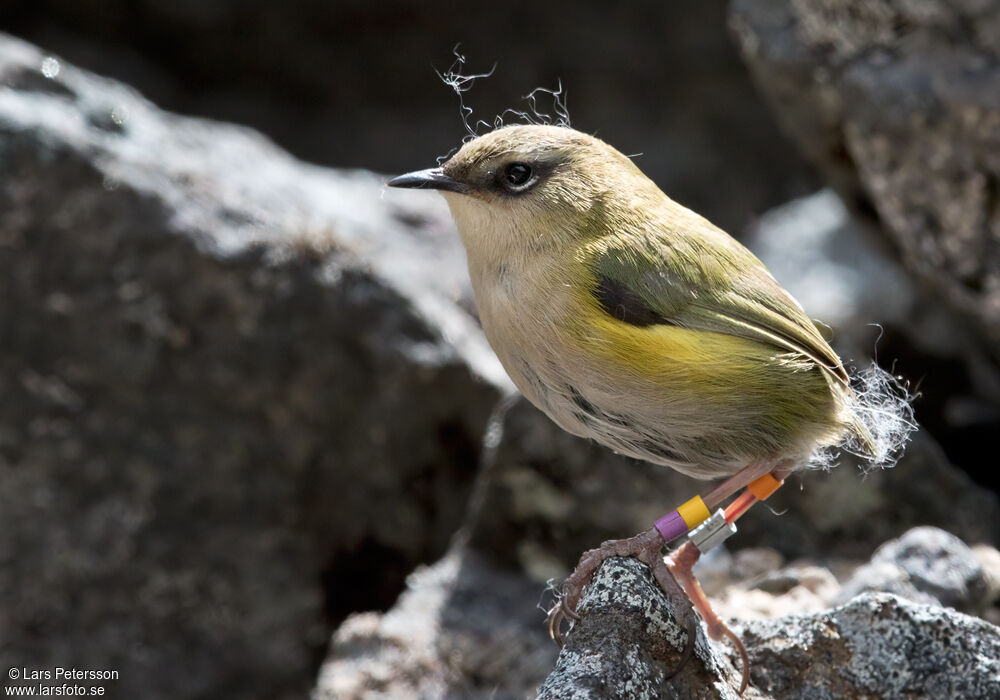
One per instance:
[(518, 177)]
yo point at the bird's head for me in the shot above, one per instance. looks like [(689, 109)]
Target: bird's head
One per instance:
[(523, 187)]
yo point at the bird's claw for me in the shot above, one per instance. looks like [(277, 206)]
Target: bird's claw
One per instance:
[(563, 610), (557, 613), (692, 629), (570, 612)]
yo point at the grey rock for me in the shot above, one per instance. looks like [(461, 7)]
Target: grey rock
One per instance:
[(989, 559), (778, 581), (463, 628), (877, 645), (828, 260), (885, 577), (898, 102), (802, 588), (240, 392), (629, 641), (926, 564)]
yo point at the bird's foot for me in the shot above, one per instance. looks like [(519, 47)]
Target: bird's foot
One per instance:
[(680, 563), (648, 547)]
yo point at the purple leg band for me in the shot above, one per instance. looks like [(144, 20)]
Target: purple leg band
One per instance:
[(671, 526)]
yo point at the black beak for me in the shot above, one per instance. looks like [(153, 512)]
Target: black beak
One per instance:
[(430, 179)]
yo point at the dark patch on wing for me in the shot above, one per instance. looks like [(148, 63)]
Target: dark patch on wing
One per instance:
[(620, 302)]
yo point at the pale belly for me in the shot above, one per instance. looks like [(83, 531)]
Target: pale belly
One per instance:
[(706, 417)]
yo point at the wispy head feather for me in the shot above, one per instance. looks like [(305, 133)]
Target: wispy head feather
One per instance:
[(461, 83), (534, 114)]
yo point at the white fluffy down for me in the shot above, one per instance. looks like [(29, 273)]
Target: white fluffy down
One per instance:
[(883, 404)]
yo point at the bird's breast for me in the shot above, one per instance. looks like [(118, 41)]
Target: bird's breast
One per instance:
[(526, 311)]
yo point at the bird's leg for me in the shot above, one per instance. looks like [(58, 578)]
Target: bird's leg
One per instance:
[(744, 476), (647, 547), (680, 563)]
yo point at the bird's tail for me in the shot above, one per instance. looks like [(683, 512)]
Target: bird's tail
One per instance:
[(880, 419)]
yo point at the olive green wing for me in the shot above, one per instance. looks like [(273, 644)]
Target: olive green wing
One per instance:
[(708, 282)]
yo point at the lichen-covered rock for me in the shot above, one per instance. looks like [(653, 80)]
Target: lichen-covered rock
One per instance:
[(463, 628), (924, 565), (238, 394), (900, 104), (629, 641), (876, 646)]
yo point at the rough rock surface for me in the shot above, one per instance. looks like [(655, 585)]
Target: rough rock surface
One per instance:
[(463, 628), (466, 628), (924, 565), (900, 103), (629, 641), (877, 645), (210, 359)]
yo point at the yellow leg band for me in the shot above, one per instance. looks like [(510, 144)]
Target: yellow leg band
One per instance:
[(694, 512)]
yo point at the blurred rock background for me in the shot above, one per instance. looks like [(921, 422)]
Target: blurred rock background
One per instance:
[(353, 84), (244, 396)]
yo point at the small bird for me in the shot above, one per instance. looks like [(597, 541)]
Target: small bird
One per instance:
[(631, 320)]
